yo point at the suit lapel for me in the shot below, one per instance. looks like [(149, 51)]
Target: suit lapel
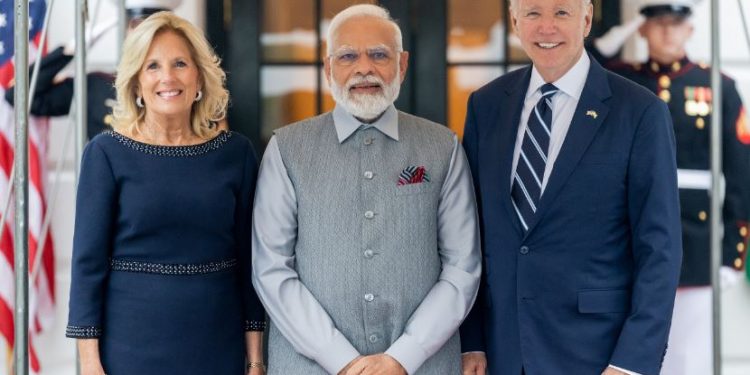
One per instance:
[(589, 115), (506, 140)]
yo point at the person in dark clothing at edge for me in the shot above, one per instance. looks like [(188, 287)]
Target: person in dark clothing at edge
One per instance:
[(53, 96), (686, 88)]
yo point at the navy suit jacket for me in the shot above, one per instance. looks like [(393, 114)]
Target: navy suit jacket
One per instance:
[(593, 280)]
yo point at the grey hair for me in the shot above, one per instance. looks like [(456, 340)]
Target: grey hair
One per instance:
[(514, 5), (363, 10)]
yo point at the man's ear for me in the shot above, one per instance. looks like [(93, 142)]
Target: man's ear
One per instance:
[(327, 69), (514, 22), (589, 18), (403, 64)]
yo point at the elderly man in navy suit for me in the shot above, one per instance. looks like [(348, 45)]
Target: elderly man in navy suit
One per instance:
[(577, 186)]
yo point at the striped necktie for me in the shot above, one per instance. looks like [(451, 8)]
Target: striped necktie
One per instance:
[(529, 174)]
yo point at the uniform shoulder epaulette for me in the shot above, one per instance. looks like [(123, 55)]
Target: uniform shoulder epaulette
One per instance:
[(705, 66)]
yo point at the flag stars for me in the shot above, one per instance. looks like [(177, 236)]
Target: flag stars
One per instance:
[(2, 48), (3, 20)]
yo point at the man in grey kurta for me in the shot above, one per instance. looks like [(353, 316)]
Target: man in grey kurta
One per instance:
[(365, 235)]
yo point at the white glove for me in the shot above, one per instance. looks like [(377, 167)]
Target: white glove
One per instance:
[(728, 278), (98, 31), (611, 42)]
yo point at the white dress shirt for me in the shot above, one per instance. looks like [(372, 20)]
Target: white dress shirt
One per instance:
[(564, 104)]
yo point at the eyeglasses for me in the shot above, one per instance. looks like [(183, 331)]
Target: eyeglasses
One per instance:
[(346, 56)]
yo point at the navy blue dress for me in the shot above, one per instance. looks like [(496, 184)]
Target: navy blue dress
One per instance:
[(161, 255)]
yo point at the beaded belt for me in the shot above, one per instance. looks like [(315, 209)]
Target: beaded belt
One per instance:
[(171, 269)]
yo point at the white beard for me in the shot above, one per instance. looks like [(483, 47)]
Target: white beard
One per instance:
[(366, 106)]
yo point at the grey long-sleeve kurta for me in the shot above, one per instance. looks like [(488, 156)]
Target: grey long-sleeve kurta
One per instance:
[(320, 320)]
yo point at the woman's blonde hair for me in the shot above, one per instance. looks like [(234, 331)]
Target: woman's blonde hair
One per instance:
[(209, 110)]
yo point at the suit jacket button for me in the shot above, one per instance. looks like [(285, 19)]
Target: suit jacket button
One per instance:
[(373, 338), (524, 250)]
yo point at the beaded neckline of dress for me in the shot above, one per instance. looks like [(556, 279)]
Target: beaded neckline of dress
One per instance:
[(165, 150)]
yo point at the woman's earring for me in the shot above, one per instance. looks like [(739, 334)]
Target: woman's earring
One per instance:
[(199, 96), (139, 101)]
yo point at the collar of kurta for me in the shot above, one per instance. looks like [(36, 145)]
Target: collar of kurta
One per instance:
[(346, 124)]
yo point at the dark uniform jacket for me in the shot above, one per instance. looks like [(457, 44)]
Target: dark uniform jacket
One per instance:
[(686, 88), (54, 98)]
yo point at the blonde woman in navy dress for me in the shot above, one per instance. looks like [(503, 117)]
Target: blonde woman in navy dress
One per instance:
[(161, 250)]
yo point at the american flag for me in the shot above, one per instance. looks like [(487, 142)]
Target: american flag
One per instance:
[(42, 289)]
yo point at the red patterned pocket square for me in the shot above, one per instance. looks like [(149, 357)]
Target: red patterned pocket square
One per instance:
[(413, 175)]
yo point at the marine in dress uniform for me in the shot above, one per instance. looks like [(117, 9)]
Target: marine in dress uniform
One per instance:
[(686, 88), (53, 96)]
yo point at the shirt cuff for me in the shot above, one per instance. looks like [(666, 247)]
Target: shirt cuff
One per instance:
[(623, 370), (408, 353)]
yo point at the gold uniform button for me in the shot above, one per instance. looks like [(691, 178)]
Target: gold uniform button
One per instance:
[(108, 119), (654, 66), (700, 123), (665, 82), (665, 95), (740, 247), (702, 215), (743, 231), (738, 263), (676, 66)]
